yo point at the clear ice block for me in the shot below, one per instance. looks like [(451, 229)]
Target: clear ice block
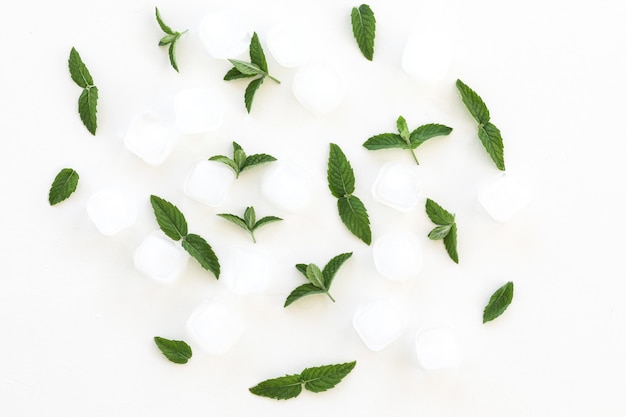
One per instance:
[(150, 139), (214, 327), (111, 211), (379, 324), (398, 256), (504, 196), (160, 258), (209, 182), (319, 88), (437, 348), (287, 186), (198, 110), (225, 34), (398, 185)]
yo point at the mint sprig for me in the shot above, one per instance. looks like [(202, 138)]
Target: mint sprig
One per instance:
[(405, 139), (171, 38), (319, 280), (249, 222), (172, 222), (257, 67), (498, 302), (176, 351), (351, 209), (364, 29), (488, 133), (63, 186), (315, 379), (446, 227), (240, 161), (88, 99)]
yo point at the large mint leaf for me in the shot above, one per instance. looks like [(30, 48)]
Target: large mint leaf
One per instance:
[(170, 219), (364, 29), (340, 174), (354, 215)]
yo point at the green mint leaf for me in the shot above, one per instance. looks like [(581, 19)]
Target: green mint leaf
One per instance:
[(249, 215), (246, 68), (364, 29), (331, 268), (449, 242), (256, 159), (354, 215), (475, 105), (302, 268), (492, 141), (440, 232), (176, 351), (425, 132), (403, 129), (340, 173), (314, 275), (257, 56), (249, 222), (235, 220), (171, 39), (235, 74), (323, 378), (385, 141), (63, 186), (165, 28), (302, 291), (167, 39), (226, 160), (498, 302), (172, 54), (265, 220), (240, 161), (170, 219), (282, 388), (78, 70), (251, 90), (239, 155), (438, 214), (88, 107), (198, 248)]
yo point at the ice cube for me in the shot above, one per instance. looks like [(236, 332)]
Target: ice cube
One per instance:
[(287, 186), (437, 348), (225, 34), (198, 110), (111, 211), (398, 255), (319, 88), (428, 54), (379, 324), (504, 196), (150, 139), (214, 327), (249, 270), (289, 45), (209, 182), (160, 258), (398, 186)]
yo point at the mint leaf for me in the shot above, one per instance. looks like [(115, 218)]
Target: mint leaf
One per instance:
[(302, 291), (235, 74), (78, 70), (354, 215), (282, 388), (364, 29), (257, 159), (438, 214), (446, 228), (340, 174), (251, 90), (428, 131), (246, 68), (170, 219), (498, 302), (176, 351), (323, 378), (235, 220), (266, 220), (171, 39), (257, 56), (475, 105), (88, 100), (403, 129), (332, 267), (171, 52), (199, 249), (249, 215), (63, 186), (449, 242), (439, 232), (165, 28), (385, 141), (302, 268), (314, 274), (249, 222), (240, 161)]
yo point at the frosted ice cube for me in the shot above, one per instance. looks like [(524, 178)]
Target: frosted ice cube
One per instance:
[(160, 258), (209, 182), (289, 45), (214, 327), (198, 110), (249, 270), (150, 139), (287, 186), (111, 211), (379, 324), (225, 34), (437, 348), (398, 255), (398, 186), (504, 196), (318, 88), (428, 54)]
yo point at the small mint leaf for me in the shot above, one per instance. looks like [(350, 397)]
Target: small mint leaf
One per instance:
[(439, 232), (167, 39), (302, 268), (265, 220), (425, 132), (257, 56), (257, 159), (314, 275), (438, 214), (403, 129), (63, 186), (165, 28), (475, 105), (246, 68), (323, 378), (364, 29), (198, 248), (249, 216), (170, 219), (282, 388), (88, 107), (78, 70), (251, 90), (354, 215), (499, 302), (235, 220), (235, 74), (176, 351), (340, 175), (226, 160), (449, 242), (385, 141), (302, 291), (172, 55)]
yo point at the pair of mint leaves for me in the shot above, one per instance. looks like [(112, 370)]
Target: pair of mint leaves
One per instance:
[(88, 99)]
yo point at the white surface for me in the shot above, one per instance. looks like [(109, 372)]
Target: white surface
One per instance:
[(249, 269), (198, 110), (319, 88), (149, 138), (287, 186), (161, 258), (504, 196), (225, 34), (78, 319), (289, 45)]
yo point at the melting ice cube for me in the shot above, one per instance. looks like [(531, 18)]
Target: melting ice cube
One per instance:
[(111, 211), (160, 258), (318, 88), (504, 196), (225, 34), (437, 348), (289, 45), (398, 255), (287, 186), (379, 324), (198, 110), (209, 182), (249, 270), (398, 186), (214, 327), (150, 139)]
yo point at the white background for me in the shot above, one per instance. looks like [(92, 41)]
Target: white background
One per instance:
[(77, 319)]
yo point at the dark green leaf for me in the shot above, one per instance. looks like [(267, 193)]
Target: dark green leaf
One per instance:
[(235, 74), (340, 174), (425, 132), (256, 159), (265, 220), (322, 378), (226, 160), (167, 39), (473, 102), (88, 107), (364, 29), (302, 291), (492, 141), (385, 141), (202, 252), (250, 217), (246, 67), (165, 28), (440, 232), (256, 53), (176, 351), (403, 129), (282, 388), (438, 214), (170, 219), (78, 70), (172, 54), (450, 243), (251, 90), (354, 216), (302, 268), (333, 266), (314, 275), (498, 302), (234, 219), (63, 186)]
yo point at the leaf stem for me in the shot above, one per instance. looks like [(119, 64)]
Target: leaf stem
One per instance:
[(272, 78), (414, 157), (253, 238), (330, 296)]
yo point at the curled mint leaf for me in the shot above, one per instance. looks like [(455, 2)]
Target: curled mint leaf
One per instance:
[(499, 302), (176, 351), (63, 186)]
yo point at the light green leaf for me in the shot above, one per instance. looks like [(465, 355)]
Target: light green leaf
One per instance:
[(78, 70), (331, 268), (176, 351), (250, 217), (257, 159), (240, 158), (88, 107), (340, 175), (314, 275), (257, 56), (492, 141), (235, 74), (251, 90), (355, 217), (475, 105), (302, 291), (63, 186), (170, 219), (364, 29), (425, 132), (323, 378), (282, 388), (198, 248), (246, 67), (438, 214), (450, 243), (403, 129), (165, 28), (385, 141), (440, 232), (167, 39), (499, 302)]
